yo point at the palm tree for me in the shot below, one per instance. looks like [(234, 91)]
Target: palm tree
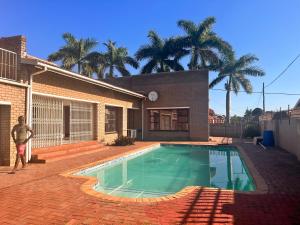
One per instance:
[(162, 54), (203, 45), (74, 52), (115, 58), (235, 72)]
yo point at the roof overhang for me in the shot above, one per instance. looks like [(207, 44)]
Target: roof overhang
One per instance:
[(55, 69)]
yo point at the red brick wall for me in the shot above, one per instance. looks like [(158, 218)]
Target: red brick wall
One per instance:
[(17, 97), (16, 44)]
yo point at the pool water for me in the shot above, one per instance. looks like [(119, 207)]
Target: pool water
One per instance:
[(168, 169)]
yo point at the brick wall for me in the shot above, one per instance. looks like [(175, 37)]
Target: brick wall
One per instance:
[(51, 83), (176, 89), (9, 117), (16, 44)]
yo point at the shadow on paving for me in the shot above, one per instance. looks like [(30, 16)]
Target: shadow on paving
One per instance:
[(281, 205), (223, 207)]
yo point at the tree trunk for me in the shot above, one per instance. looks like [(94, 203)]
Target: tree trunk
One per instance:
[(111, 70), (79, 67), (162, 66), (228, 104), (194, 59)]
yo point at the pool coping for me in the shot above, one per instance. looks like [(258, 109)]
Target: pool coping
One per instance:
[(87, 186)]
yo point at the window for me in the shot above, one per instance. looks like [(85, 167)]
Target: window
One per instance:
[(168, 119), (110, 119)]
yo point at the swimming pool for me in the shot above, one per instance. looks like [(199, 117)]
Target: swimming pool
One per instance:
[(166, 169)]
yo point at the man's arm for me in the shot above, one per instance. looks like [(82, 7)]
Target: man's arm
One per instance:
[(13, 133), (31, 134)]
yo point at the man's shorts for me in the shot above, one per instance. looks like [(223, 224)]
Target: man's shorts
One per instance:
[(21, 149)]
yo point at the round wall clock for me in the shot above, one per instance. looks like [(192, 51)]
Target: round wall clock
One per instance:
[(153, 96)]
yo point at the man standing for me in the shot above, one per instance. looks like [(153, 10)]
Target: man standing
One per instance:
[(20, 140)]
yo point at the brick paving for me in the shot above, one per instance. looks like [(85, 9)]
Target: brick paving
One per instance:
[(39, 195)]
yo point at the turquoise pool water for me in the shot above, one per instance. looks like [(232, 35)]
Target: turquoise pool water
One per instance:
[(167, 169)]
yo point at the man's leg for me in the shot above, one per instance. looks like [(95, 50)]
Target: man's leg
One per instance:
[(16, 163), (23, 161)]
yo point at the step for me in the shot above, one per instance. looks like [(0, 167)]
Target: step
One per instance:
[(63, 147), (34, 159), (67, 156), (69, 151)]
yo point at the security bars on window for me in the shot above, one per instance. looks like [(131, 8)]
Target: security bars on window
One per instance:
[(8, 65), (47, 121)]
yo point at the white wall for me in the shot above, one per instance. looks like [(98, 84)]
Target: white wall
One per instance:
[(286, 134)]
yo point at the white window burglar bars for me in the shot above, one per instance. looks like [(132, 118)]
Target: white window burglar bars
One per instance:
[(81, 121), (8, 65), (47, 121)]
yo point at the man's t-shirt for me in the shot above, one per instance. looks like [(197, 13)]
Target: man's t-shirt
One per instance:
[(21, 133)]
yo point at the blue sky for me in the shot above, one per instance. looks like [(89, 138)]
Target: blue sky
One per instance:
[(270, 29)]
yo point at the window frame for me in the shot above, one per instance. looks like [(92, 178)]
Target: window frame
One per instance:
[(152, 120), (107, 120)]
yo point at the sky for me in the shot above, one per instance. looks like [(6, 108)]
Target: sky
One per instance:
[(270, 29)]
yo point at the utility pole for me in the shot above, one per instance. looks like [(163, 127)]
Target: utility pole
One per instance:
[(264, 106)]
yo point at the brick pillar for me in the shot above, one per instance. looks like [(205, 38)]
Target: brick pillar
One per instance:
[(124, 122)]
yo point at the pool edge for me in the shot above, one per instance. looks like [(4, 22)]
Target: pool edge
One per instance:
[(260, 184)]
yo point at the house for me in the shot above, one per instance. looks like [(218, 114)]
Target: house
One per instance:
[(214, 118), (295, 112), (64, 107)]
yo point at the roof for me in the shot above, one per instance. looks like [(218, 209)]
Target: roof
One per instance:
[(49, 66), (297, 106)]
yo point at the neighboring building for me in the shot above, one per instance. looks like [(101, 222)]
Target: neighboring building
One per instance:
[(296, 111), (215, 118), (64, 107)]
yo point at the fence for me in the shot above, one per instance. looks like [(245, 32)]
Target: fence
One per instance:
[(234, 130), (8, 65)]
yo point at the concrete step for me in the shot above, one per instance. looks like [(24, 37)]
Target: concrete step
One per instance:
[(67, 156), (66, 151), (63, 147), (34, 159), (69, 151)]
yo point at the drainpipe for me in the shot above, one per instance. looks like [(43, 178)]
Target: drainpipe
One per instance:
[(29, 110), (142, 120)]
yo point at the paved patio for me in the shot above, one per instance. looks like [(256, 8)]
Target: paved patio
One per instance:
[(39, 195)]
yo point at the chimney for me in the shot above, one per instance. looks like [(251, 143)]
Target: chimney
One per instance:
[(15, 44)]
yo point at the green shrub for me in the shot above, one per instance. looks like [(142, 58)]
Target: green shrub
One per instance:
[(123, 141), (251, 131)]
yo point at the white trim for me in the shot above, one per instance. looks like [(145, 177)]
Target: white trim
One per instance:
[(83, 78), (63, 97), (13, 83), (5, 103), (142, 120), (113, 105), (184, 107), (120, 106)]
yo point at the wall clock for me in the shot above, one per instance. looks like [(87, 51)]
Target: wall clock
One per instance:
[(153, 96)]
